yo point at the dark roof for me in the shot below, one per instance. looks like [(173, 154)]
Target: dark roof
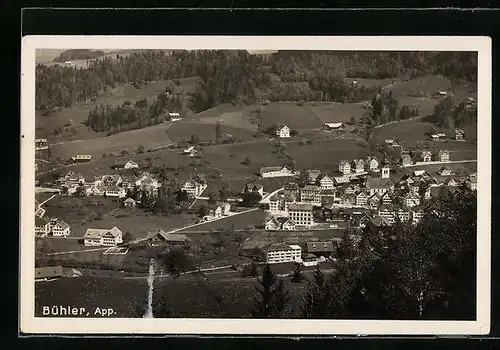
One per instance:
[(315, 247), (378, 182), (277, 246)]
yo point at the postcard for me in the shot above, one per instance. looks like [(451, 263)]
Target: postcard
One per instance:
[(255, 185)]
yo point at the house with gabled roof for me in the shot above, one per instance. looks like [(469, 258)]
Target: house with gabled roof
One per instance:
[(386, 198), (361, 198), (334, 126), (402, 214), (312, 175), (42, 226), (129, 203), (459, 135), (283, 131), (272, 224), (426, 156), (320, 248), (60, 229), (387, 212), (103, 237), (277, 171), (311, 194), (411, 199), (358, 165), (288, 225), (374, 201), (417, 214), (326, 183), (159, 237), (341, 180), (406, 159), (344, 167), (373, 163), (444, 155), (193, 188)]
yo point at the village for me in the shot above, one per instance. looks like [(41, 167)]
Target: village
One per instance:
[(361, 192)]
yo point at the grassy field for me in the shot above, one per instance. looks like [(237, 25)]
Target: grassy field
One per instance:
[(370, 82), (150, 137), (294, 116), (79, 114), (127, 298), (425, 105), (333, 112), (183, 130), (325, 155)]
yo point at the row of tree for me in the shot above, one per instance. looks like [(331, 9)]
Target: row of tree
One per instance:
[(448, 114), (229, 75), (426, 271)]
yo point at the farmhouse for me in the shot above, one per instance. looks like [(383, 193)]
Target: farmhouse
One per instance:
[(459, 135), (41, 144), (326, 183), (81, 158), (320, 248), (60, 229), (358, 165), (411, 200), (159, 237), (361, 199), (48, 273), (392, 143), (129, 203), (334, 126), (276, 171), (341, 180), (193, 188), (444, 155), (373, 163), (283, 131), (301, 214), (311, 194), (344, 167), (220, 210), (280, 253), (103, 237), (148, 183), (426, 156), (438, 137)]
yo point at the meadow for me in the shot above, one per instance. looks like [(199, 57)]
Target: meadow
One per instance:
[(336, 112), (294, 116)]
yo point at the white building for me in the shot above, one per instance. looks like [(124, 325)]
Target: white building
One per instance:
[(60, 229), (276, 171), (373, 163), (174, 116), (301, 214), (326, 183), (311, 194), (358, 165), (444, 155), (41, 144), (379, 185), (386, 172), (426, 156), (283, 131), (281, 253), (417, 215), (131, 165), (344, 167), (103, 237), (42, 226), (193, 189), (334, 126), (115, 192)]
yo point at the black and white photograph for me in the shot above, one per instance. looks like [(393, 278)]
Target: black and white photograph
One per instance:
[(253, 186)]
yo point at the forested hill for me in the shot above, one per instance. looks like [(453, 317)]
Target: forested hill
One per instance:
[(78, 54), (229, 75)]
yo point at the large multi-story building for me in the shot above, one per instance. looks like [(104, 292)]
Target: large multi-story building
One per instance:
[(103, 237), (301, 214), (311, 194), (281, 253), (344, 167)]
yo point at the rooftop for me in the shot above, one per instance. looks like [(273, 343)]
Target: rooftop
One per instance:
[(378, 183), (314, 247), (300, 206)]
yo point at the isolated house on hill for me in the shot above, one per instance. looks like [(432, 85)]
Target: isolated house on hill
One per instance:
[(459, 135), (283, 131), (159, 237), (426, 156), (438, 137), (129, 203), (334, 126)]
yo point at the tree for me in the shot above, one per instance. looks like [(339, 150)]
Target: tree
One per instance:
[(195, 139), (212, 198), (316, 299), (352, 121), (271, 298), (127, 237), (250, 198), (224, 191), (140, 149), (246, 161), (297, 276), (175, 261), (202, 211), (218, 132)]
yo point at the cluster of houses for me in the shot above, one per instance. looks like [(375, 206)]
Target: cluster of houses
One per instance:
[(51, 227), (114, 186), (299, 208), (459, 136)]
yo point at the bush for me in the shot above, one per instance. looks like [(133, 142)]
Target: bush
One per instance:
[(246, 161)]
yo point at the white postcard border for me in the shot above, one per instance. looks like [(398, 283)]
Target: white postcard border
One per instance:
[(39, 325)]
